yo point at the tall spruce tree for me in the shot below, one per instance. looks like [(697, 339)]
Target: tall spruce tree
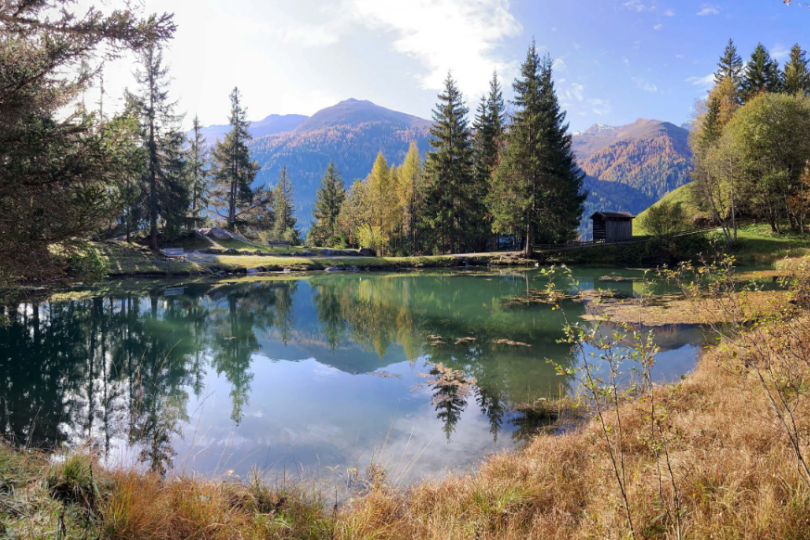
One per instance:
[(538, 187), (198, 169), (165, 180), (283, 209), (563, 206), (328, 201), (730, 65), (233, 170), (761, 74), (490, 126), (796, 75), (449, 195)]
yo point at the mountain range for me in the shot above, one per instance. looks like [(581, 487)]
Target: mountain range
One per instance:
[(628, 168)]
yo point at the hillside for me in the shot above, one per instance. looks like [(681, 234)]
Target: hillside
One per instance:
[(695, 215), (631, 167), (351, 133)]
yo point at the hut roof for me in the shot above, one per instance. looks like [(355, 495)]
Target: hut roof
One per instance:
[(614, 215)]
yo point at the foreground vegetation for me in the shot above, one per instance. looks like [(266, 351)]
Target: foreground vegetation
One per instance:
[(691, 470)]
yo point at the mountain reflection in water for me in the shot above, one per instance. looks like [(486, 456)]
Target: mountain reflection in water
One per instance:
[(311, 372)]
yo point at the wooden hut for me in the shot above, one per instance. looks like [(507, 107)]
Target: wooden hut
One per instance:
[(612, 226)]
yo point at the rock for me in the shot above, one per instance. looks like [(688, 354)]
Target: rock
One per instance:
[(327, 252), (286, 270), (365, 252), (231, 251), (245, 252), (214, 251), (219, 234), (308, 253), (334, 269), (258, 252), (252, 271), (353, 269)]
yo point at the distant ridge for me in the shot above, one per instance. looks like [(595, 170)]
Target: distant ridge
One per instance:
[(271, 125), (355, 112)]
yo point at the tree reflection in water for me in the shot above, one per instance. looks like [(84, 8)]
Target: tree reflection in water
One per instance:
[(122, 369)]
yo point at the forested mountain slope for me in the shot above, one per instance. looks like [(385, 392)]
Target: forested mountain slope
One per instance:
[(631, 167), (351, 133)]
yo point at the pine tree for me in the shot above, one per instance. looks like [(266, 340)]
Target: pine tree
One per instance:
[(233, 169), (761, 74), (165, 180), (329, 199), (449, 169), (796, 75), (730, 65), (563, 207), (489, 128), (712, 128), (198, 169), (283, 209), (538, 186)]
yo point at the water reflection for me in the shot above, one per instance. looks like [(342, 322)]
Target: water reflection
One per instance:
[(150, 370)]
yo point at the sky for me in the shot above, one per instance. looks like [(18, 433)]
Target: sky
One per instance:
[(615, 60)]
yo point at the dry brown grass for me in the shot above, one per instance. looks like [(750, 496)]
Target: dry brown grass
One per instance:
[(739, 479)]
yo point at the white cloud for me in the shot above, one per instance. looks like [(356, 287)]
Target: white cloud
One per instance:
[(679, 56), (645, 85), (669, 13), (577, 46), (780, 52), (446, 34), (703, 82), (658, 27), (575, 93), (559, 65), (626, 60), (638, 5), (600, 107), (708, 9)]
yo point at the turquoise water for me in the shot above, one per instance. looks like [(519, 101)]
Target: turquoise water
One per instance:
[(314, 374)]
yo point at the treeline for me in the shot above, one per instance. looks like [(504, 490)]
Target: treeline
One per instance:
[(73, 172), (181, 184), (503, 177), (751, 141)]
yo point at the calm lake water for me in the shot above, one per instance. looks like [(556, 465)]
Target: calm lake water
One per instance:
[(311, 374)]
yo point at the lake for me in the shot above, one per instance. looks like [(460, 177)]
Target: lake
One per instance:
[(302, 375)]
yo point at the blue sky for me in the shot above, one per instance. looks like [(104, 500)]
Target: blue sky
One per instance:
[(617, 60)]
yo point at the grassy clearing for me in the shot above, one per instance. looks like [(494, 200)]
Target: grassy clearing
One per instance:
[(274, 250), (686, 196), (123, 259)]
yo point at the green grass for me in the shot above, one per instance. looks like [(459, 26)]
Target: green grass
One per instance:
[(129, 260), (684, 195), (272, 250)]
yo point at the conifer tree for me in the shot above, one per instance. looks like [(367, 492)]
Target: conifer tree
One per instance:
[(449, 168), (730, 65), (63, 169), (489, 130), (165, 180), (761, 74), (712, 128), (796, 75), (408, 187), (283, 209), (329, 199), (538, 186), (198, 169), (233, 170), (384, 219)]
